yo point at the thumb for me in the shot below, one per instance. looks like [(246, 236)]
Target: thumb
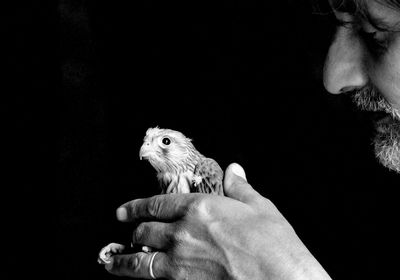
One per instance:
[(236, 186)]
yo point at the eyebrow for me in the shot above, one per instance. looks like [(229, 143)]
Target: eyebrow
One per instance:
[(380, 23)]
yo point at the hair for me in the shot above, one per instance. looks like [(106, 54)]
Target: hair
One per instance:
[(354, 6), (393, 3), (360, 6)]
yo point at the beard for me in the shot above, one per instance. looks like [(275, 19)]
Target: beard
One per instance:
[(387, 138)]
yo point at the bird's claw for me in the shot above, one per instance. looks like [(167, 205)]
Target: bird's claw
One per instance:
[(108, 251), (106, 254), (147, 249), (197, 180)]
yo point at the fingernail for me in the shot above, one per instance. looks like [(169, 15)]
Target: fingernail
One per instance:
[(122, 215), (238, 171)]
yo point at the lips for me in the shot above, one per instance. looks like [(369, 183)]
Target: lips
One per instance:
[(380, 116)]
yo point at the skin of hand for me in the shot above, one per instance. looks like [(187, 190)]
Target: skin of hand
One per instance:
[(200, 236)]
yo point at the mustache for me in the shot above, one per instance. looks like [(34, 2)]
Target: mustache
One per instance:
[(368, 98)]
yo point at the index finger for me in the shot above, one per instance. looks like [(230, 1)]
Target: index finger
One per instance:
[(164, 207)]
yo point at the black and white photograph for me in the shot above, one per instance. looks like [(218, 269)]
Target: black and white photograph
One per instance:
[(200, 139)]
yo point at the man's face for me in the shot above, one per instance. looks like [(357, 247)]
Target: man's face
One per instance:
[(364, 60)]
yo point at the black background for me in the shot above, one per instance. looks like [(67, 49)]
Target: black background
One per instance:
[(241, 79)]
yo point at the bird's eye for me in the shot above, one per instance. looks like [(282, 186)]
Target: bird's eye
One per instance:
[(166, 141)]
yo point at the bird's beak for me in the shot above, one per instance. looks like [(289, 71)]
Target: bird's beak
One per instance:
[(144, 152), (141, 152)]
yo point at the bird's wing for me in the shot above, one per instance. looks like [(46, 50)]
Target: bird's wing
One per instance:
[(208, 177)]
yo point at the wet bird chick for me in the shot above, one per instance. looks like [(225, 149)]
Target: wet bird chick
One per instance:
[(180, 169)]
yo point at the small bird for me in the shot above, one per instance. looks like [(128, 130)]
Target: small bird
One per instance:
[(180, 169)]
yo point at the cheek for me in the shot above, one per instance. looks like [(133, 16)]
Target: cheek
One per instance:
[(164, 152), (385, 75)]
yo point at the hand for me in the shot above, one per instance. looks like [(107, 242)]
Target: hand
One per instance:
[(200, 236)]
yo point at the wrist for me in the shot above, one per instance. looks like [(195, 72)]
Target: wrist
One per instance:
[(308, 268), (289, 259), (302, 265)]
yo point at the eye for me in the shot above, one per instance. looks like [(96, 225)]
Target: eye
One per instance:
[(166, 141), (375, 41)]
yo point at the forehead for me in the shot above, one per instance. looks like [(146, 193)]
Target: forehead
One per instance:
[(388, 11), (385, 13), (153, 133), (389, 3)]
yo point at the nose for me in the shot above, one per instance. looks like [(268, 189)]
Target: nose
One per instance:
[(344, 68)]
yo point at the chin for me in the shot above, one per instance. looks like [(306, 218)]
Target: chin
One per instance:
[(387, 143)]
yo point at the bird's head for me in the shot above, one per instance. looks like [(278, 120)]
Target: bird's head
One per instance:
[(167, 150)]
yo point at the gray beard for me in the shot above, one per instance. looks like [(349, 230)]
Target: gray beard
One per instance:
[(387, 139)]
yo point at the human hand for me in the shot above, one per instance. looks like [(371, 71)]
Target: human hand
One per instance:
[(200, 236)]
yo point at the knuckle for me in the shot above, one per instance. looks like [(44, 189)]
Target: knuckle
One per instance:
[(180, 236), (201, 208), (236, 184), (181, 274), (170, 235), (170, 263), (133, 262), (139, 233), (132, 206), (242, 185), (154, 206), (122, 263)]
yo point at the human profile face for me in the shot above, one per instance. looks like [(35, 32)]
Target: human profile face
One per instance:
[(364, 60)]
